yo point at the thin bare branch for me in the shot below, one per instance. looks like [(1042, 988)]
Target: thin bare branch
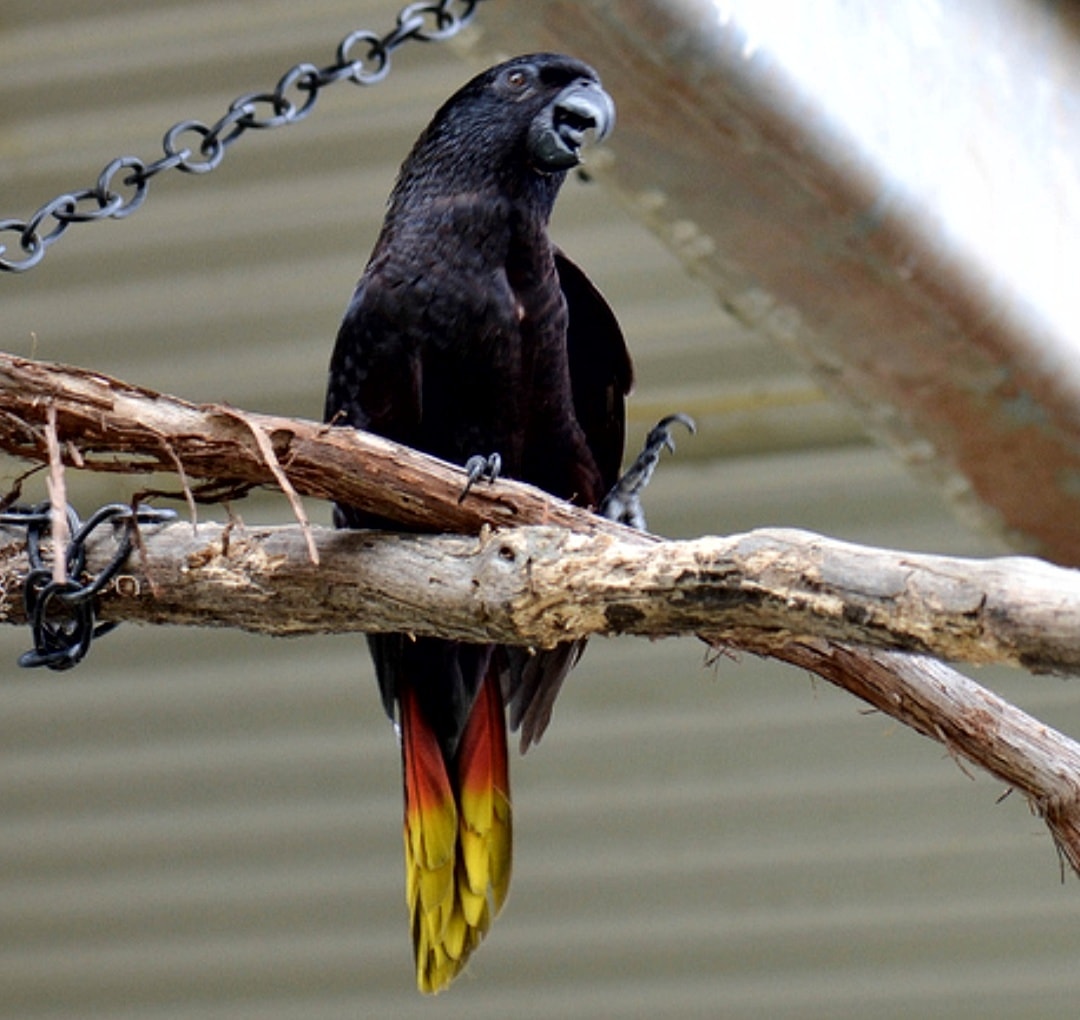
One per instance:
[(266, 449), (57, 493), (972, 723)]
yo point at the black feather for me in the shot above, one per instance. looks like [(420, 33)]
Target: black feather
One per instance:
[(469, 333)]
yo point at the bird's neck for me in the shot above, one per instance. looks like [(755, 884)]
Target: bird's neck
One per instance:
[(487, 219), (432, 173)]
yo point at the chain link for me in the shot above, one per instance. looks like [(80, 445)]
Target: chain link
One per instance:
[(61, 614), (363, 58)]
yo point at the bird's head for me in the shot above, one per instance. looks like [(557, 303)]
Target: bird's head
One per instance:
[(525, 118), (563, 115)]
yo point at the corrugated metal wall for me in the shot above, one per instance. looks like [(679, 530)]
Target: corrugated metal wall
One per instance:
[(203, 824)]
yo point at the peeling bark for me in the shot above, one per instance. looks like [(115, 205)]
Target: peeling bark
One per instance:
[(112, 426), (540, 585)]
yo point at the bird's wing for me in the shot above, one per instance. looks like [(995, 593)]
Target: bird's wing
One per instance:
[(601, 373), (601, 376)]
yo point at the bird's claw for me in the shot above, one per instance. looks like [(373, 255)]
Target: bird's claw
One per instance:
[(479, 468), (660, 436), (623, 502)]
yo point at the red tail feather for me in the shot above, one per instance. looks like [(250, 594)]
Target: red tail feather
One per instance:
[(457, 834)]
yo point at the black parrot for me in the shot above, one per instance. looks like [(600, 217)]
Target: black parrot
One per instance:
[(471, 337)]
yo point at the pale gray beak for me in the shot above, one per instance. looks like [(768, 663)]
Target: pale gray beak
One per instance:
[(558, 131)]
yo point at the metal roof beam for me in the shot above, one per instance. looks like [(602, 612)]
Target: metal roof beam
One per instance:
[(893, 190)]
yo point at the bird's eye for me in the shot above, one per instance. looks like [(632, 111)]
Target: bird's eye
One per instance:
[(517, 79)]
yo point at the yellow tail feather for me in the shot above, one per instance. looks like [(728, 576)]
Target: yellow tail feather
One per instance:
[(457, 849)]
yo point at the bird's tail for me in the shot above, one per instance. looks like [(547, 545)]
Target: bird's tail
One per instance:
[(457, 834)]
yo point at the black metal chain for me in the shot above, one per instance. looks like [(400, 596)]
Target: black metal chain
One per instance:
[(363, 57), (61, 614)]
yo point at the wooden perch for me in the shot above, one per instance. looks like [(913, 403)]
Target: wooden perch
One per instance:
[(842, 611), (540, 585), (108, 425)]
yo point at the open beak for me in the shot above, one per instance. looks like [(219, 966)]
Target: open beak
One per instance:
[(558, 131)]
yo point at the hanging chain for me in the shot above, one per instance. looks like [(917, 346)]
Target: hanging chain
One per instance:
[(363, 57), (61, 614)]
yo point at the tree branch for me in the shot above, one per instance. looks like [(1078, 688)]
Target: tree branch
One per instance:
[(840, 610), (109, 425), (970, 721), (540, 585)]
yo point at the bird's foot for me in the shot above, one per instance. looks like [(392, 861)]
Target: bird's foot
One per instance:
[(623, 502), (480, 469)]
